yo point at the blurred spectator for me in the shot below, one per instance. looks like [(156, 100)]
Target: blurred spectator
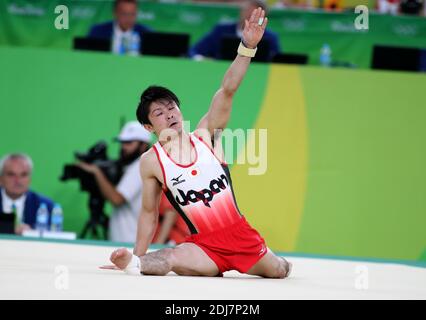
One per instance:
[(15, 177), (302, 4), (210, 45), (123, 28), (219, 1), (126, 197), (333, 5), (388, 6), (412, 7), (171, 228)]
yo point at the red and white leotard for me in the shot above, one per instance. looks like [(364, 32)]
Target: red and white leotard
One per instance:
[(201, 191)]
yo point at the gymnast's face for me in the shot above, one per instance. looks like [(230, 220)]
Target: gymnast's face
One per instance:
[(16, 177), (165, 118)]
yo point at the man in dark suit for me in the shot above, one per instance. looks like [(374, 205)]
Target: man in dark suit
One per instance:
[(15, 196), (122, 28), (210, 45)]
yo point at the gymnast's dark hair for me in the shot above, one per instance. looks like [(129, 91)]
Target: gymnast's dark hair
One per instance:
[(150, 95)]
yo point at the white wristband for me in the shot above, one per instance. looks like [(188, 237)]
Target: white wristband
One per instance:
[(246, 52), (134, 266)]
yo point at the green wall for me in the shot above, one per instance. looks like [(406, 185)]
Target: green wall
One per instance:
[(345, 148), (366, 176)]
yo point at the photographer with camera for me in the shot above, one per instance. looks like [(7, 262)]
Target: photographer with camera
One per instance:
[(126, 197)]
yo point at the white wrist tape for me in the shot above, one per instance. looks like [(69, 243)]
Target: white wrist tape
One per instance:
[(134, 266), (246, 52)]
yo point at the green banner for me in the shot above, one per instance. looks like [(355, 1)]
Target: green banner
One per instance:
[(31, 23)]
